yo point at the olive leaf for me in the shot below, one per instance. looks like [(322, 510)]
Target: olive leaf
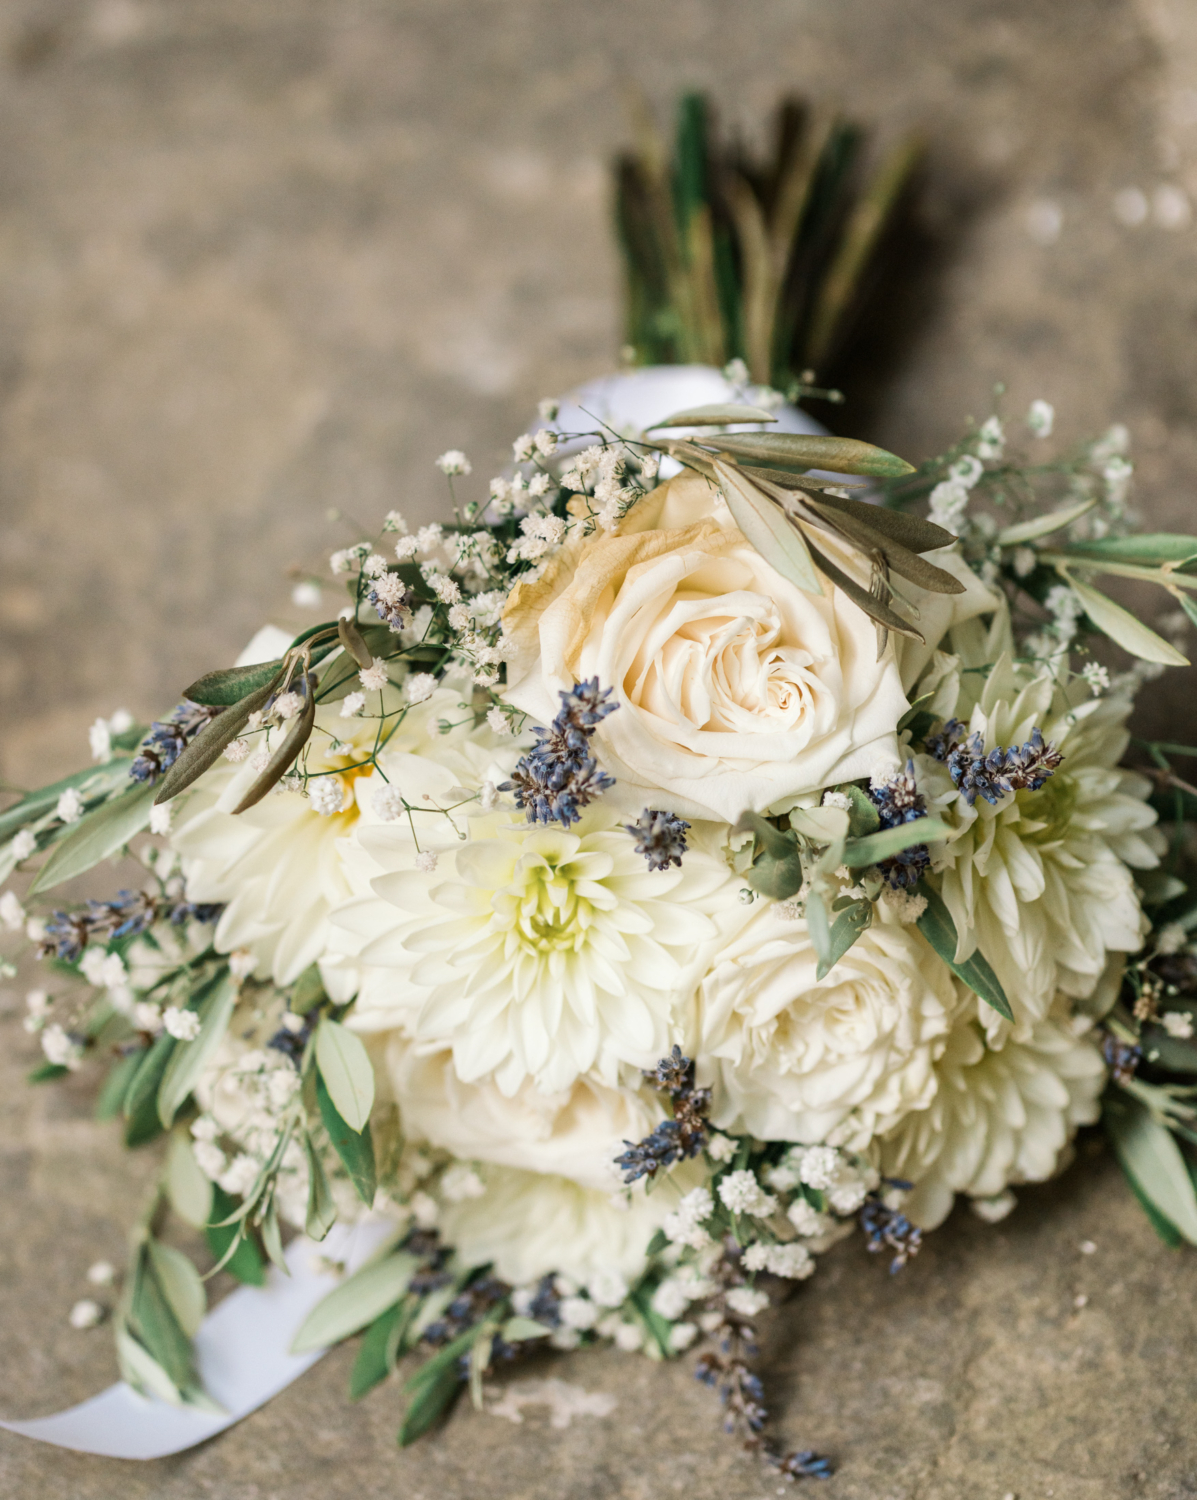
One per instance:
[(351, 638), (714, 416), (358, 1300), (808, 451), (209, 744), (232, 1249), (93, 781), (346, 1070), (284, 756), (768, 529), (372, 1364), (189, 1191), (905, 562), (1029, 531), (1147, 548), (96, 836), (877, 611), (181, 1285), (908, 531), (354, 1147), (431, 1399), (232, 685), (1123, 628), (189, 1059), (874, 847), (939, 929), (1150, 1157)]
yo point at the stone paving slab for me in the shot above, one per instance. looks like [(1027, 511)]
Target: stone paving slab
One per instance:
[(260, 260)]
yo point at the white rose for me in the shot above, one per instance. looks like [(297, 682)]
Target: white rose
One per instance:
[(998, 1116), (736, 689), (530, 1223), (576, 1133), (796, 1058)]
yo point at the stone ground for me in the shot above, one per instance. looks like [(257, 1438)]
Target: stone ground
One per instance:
[(260, 260)]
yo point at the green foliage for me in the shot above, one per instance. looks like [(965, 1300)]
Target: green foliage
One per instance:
[(46, 1072), (375, 1358), (346, 1070), (1151, 1159), (96, 836), (143, 1121), (321, 1210), (90, 783), (358, 1300), (189, 1059), (431, 1399), (354, 1147), (859, 854), (939, 929), (246, 1262)]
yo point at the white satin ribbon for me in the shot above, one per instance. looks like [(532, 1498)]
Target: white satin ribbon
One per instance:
[(242, 1353)]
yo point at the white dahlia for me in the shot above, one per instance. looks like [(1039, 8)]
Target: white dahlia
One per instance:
[(1040, 881), (534, 953), (998, 1116), (576, 1133), (837, 1059), (275, 867), (528, 1224)]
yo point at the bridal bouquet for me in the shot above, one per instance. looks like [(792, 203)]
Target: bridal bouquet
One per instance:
[(682, 855)]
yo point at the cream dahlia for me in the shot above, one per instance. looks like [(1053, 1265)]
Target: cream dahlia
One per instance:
[(276, 867), (998, 1116), (534, 953), (1041, 881)]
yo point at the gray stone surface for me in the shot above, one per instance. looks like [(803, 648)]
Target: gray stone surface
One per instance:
[(259, 260)]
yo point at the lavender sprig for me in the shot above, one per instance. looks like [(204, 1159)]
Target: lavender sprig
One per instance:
[(672, 1140), (976, 773), (168, 738), (559, 776), (899, 801)]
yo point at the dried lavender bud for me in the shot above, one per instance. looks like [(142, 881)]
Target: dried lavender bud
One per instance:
[(660, 837)]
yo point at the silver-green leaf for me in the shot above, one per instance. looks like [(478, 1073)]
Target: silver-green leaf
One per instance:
[(348, 1074), (1150, 1156), (356, 1302), (181, 1286), (765, 525), (1125, 629), (189, 1191), (714, 416), (189, 1059), (100, 833), (874, 847)]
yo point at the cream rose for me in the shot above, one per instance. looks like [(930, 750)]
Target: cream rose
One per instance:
[(575, 1133), (796, 1058), (528, 1224), (736, 689)]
